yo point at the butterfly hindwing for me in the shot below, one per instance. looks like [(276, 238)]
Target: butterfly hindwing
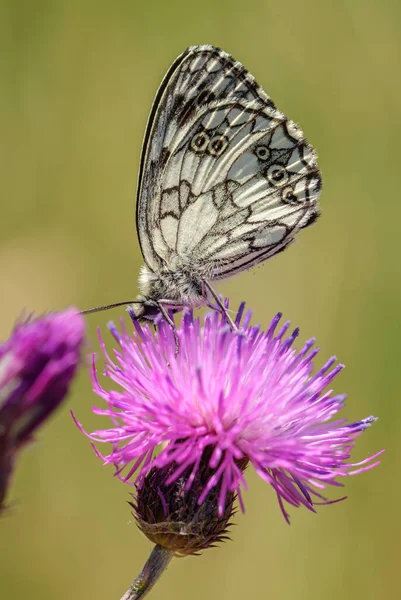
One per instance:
[(226, 179)]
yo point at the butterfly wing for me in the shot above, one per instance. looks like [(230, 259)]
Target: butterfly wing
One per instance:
[(226, 180)]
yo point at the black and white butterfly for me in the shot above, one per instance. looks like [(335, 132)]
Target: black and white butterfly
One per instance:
[(226, 181)]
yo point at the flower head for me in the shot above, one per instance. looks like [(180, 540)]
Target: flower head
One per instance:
[(37, 364), (228, 399)]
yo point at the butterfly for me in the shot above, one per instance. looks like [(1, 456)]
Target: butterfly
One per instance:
[(226, 181)]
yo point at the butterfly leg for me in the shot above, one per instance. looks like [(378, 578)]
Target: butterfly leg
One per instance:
[(216, 297), (170, 321)]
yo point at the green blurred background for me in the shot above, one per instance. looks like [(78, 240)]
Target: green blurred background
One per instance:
[(77, 81)]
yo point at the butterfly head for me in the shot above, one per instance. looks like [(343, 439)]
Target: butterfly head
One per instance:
[(144, 310)]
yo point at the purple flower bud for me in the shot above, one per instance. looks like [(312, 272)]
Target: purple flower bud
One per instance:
[(37, 365)]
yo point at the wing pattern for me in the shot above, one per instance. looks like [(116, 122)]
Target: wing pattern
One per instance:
[(226, 180)]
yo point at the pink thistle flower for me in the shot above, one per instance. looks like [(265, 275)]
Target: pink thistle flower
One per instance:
[(228, 399)]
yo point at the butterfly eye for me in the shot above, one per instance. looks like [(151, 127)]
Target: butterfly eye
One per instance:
[(288, 196), (277, 175), (262, 152), (199, 142), (217, 145)]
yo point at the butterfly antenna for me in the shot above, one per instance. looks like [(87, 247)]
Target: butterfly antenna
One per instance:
[(105, 307)]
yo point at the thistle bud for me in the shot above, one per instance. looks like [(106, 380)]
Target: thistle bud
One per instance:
[(169, 513), (37, 365)]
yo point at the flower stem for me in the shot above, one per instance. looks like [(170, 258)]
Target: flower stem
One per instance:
[(155, 565)]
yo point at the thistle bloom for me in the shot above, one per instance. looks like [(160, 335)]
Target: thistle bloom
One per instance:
[(185, 427), (37, 365), (227, 399)]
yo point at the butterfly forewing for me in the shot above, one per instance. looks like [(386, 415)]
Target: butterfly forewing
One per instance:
[(226, 179)]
